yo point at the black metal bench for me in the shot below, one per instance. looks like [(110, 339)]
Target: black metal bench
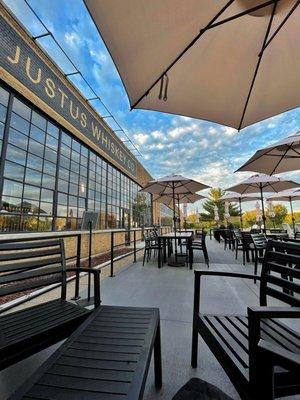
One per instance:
[(26, 266), (107, 357), (260, 355)]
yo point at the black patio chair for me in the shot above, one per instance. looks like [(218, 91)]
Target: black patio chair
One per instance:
[(198, 243), (260, 245), (228, 239), (237, 241), (247, 246), (151, 243)]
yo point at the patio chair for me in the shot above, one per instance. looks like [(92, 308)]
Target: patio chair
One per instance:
[(228, 239), (198, 244), (286, 227), (247, 246), (151, 243), (259, 353), (260, 245), (27, 266), (238, 245), (297, 235)]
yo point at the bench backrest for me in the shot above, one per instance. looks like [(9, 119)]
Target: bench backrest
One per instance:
[(259, 240), (246, 239), (280, 276), (31, 264)]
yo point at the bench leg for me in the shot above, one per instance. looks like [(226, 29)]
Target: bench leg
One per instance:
[(194, 347), (157, 359)]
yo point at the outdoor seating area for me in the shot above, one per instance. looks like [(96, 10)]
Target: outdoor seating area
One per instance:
[(151, 254)]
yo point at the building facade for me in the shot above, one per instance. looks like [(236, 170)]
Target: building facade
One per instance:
[(58, 156)]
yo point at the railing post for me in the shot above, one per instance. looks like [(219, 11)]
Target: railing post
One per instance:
[(134, 246), (111, 254), (78, 258)]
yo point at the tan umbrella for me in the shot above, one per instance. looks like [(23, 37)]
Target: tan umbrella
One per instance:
[(290, 196), (233, 62), (263, 183), (283, 156), (173, 185), (239, 198)]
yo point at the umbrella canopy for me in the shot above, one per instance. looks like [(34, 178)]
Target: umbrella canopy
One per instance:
[(263, 183), (282, 156), (216, 212), (290, 196), (221, 61), (239, 198), (173, 184), (180, 198), (258, 212)]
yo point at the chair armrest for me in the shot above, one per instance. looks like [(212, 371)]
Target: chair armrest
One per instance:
[(199, 273), (96, 273), (273, 312), (278, 355)]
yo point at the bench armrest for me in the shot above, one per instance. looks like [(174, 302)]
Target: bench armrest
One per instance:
[(96, 273)]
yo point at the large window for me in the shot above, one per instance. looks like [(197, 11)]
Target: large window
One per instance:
[(48, 178)]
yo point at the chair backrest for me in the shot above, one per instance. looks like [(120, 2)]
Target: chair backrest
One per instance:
[(297, 227), (259, 240), (297, 235), (280, 276), (31, 264), (246, 239)]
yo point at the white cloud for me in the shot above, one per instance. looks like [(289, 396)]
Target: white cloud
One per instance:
[(140, 138)]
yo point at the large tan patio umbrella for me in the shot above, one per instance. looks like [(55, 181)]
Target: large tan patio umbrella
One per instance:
[(261, 183), (290, 196), (234, 62), (239, 198), (282, 156), (173, 185)]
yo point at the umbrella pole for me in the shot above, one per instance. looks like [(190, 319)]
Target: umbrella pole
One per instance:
[(292, 212), (241, 216), (262, 207), (178, 204), (174, 216)]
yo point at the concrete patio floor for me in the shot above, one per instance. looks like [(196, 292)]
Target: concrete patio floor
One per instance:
[(171, 290)]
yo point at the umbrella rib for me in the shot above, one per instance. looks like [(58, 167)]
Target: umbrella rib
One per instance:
[(210, 25), (202, 31), (254, 159), (282, 157), (258, 65), (281, 25)]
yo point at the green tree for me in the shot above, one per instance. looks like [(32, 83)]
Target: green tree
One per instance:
[(280, 213), (214, 200)]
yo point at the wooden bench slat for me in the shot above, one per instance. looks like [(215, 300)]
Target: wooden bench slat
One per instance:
[(92, 373), (117, 329), (118, 335), (28, 286), (22, 255), (279, 335), (99, 355), (104, 348), (30, 244), (93, 363), (27, 312), (94, 385), (114, 341), (50, 393), (17, 277), (231, 329), (29, 265)]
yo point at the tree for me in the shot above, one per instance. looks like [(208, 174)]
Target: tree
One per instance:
[(214, 200), (249, 217), (280, 213)]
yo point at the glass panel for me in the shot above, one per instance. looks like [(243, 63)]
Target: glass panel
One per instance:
[(33, 177), (34, 162), (50, 155), (29, 223), (53, 130), (4, 96), (14, 171), (46, 208), (11, 204), (38, 120), (37, 134), (11, 188), (62, 211), (51, 142), (64, 174), (60, 224), (9, 223), (48, 181), (1, 130), (18, 139), (62, 199), (19, 123), (2, 113), (20, 108), (49, 167), (47, 195), (36, 148), (66, 139), (31, 192), (45, 223)]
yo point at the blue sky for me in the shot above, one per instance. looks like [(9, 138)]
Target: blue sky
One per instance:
[(202, 150)]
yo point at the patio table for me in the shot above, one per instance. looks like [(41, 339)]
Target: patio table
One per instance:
[(107, 357), (162, 239)]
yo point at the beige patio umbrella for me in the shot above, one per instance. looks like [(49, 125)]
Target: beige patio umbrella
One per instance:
[(234, 62), (261, 183), (282, 156), (173, 185), (239, 198), (290, 196)]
